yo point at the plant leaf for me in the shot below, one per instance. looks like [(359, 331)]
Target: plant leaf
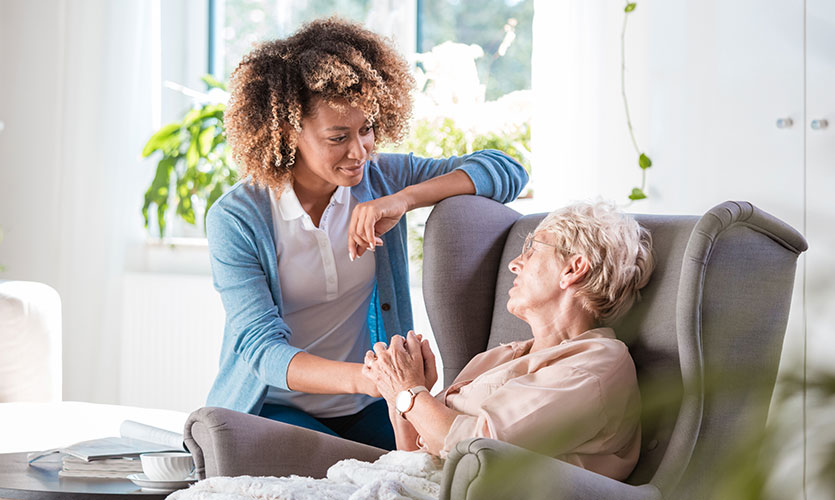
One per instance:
[(186, 210), (193, 154), (212, 111), (630, 7), (161, 209), (637, 194), (213, 82), (157, 193), (205, 140), (644, 161), (184, 207), (193, 116), (160, 138)]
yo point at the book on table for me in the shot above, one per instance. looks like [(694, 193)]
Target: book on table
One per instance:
[(104, 468), (114, 456)]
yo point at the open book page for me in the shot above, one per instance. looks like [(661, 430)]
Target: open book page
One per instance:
[(135, 439), (136, 430)]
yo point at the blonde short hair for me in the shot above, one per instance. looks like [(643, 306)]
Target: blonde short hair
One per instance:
[(618, 249)]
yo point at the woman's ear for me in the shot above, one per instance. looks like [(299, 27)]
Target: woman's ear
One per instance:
[(575, 270)]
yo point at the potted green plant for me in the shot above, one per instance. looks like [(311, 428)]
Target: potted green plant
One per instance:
[(194, 168)]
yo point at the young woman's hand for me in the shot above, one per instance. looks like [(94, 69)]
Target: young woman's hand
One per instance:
[(430, 371), (372, 219), (397, 368)]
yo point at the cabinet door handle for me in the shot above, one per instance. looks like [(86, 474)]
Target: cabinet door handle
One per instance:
[(784, 122), (819, 124)]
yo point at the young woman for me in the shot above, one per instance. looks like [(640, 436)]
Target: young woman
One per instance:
[(308, 251)]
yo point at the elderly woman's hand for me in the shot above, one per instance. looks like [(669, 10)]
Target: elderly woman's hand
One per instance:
[(398, 368)]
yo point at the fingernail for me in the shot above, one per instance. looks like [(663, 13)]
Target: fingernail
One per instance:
[(351, 256)]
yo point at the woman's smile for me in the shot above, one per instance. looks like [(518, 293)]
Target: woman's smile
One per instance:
[(352, 171)]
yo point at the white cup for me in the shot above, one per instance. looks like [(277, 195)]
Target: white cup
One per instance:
[(167, 466)]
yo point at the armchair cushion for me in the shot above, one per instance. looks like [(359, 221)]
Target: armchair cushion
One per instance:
[(485, 468), (229, 443)]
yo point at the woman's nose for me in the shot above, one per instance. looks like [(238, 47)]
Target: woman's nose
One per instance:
[(357, 150), (515, 265)]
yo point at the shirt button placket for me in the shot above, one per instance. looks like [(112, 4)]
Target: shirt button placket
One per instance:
[(328, 264)]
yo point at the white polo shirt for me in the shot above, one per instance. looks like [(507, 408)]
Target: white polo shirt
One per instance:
[(325, 295)]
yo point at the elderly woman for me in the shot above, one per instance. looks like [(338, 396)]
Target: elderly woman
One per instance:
[(569, 392)]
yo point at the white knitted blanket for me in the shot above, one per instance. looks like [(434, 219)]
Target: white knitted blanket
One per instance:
[(397, 475)]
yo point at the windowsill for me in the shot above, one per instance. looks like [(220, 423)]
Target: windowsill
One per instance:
[(177, 242), (175, 256)]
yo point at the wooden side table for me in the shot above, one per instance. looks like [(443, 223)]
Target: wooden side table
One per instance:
[(40, 481)]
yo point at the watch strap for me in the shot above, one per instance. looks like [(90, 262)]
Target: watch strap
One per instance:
[(414, 391)]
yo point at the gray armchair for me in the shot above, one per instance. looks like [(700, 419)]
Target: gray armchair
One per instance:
[(706, 340)]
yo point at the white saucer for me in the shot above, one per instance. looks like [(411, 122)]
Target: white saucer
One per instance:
[(142, 481)]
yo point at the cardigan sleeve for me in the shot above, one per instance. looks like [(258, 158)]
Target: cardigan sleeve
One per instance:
[(494, 174), (260, 335)]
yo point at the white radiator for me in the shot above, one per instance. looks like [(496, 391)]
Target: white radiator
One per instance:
[(172, 327)]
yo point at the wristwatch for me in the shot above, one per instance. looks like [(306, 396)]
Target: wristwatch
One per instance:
[(406, 399)]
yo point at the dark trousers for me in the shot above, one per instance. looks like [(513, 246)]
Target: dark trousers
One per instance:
[(370, 426)]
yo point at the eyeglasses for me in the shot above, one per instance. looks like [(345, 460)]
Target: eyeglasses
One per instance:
[(527, 248)]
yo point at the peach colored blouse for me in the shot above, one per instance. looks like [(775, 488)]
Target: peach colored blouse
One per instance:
[(577, 401)]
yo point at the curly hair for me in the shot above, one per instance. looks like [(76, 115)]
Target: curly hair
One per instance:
[(618, 249), (275, 86)]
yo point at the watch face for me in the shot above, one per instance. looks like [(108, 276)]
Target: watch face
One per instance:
[(403, 401)]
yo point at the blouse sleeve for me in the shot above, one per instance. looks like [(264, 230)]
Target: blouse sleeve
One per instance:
[(260, 334), (551, 411)]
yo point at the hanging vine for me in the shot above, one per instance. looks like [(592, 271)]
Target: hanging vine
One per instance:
[(638, 193)]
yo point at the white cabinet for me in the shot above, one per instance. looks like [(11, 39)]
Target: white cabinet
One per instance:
[(820, 227), (707, 83)]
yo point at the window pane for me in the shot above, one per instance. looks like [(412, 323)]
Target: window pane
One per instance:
[(247, 22), (501, 27)]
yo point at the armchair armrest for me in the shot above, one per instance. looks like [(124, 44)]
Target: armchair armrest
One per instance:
[(225, 442), (485, 468)]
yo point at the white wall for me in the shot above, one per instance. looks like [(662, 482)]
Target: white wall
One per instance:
[(703, 97)]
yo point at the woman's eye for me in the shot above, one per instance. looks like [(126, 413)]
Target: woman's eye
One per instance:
[(338, 139), (366, 129)]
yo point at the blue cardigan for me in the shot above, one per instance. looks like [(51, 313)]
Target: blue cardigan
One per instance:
[(256, 352)]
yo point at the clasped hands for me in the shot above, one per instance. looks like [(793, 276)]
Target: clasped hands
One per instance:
[(407, 362)]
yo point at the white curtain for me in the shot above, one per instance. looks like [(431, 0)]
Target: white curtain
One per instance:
[(76, 102)]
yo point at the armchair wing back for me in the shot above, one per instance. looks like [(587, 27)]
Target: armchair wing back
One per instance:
[(706, 339)]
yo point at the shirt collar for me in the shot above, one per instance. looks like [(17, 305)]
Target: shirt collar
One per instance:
[(290, 207), (341, 196), (522, 347)]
